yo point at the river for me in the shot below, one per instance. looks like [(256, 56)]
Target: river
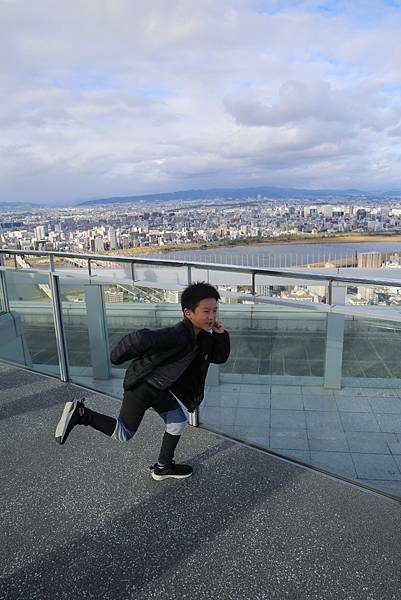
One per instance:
[(283, 255)]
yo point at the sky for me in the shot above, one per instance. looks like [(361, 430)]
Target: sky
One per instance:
[(107, 98)]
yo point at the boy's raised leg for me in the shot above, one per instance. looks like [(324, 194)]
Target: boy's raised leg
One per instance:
[(76, 413)]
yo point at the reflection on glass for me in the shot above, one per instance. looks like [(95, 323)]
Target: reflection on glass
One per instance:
[(2, 301), (371, 351), (137, 306), (381, 296), (353, 432), (34, 343), (74, 312), (274, 344)]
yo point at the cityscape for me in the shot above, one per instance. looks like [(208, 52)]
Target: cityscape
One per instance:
[(167, 229), (184, 224)]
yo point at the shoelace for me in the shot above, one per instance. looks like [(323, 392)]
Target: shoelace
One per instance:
[(81, 407), (153, 466)]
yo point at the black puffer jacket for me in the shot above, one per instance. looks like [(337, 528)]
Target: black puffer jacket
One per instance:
[(150, 348)]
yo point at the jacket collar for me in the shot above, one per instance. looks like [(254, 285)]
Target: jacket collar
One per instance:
[(195, 339), (190, 329)]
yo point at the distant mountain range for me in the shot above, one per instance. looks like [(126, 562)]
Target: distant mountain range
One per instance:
[(243, 193), (19, 205)]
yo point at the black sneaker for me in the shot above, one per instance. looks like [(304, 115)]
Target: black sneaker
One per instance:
[(171, 470), (73, 414)]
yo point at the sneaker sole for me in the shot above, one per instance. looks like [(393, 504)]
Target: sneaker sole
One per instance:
[(64, 421), (160, 477)]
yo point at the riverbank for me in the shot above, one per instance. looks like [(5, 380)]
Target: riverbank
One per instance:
[(315, 239), (351, 238)]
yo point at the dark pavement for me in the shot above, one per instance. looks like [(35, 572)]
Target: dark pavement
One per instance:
[(86, 521)]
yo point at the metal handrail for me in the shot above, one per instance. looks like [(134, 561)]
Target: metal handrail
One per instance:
[(207, 266)]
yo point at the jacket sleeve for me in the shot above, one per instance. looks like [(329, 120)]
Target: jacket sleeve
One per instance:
[(140, 342), (220, 347)]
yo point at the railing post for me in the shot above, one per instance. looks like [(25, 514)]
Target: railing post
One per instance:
[(3, 286), (189, 274), (335, 325), (59, 327), (330, 292)]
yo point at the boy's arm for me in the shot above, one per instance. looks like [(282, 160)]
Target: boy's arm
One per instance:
[(220, 344), (142, 341)]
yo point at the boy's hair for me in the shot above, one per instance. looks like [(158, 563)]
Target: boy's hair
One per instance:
[(194, 293)]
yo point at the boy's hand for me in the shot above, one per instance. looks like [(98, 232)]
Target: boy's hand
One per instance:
[(218, 327)]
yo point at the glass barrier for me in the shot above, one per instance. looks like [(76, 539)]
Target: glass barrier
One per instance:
[(369, 295), (225, 281), (272, 286), (75, 321), (138, 307), (291, 289), (370, 353), (2, 299), (271, 390), (159, 276), (354, 432), (90, 338), (271, 344), (30, 337)]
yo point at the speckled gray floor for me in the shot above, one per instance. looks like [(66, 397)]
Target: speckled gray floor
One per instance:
[(86, 520)]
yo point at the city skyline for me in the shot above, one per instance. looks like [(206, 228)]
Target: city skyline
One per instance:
[(119, 98), (180, 224)]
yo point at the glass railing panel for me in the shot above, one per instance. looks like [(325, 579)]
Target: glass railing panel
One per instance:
[(288, 288), (133, 306), (274, 344), (369, 402), (256, 396), (127, 307), (33, 343), (110, 270), (160, 276), (74, 312), (2, 299), (374, 295), (26, 261), (227, 282), (370, 353), (353, 432), (141, 306)]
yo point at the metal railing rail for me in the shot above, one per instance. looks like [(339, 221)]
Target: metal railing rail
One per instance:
[(253, 271)]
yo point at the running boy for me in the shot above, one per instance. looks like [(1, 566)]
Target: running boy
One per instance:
[(167, 365)]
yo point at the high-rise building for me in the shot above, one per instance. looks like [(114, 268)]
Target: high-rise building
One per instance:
[(327, 210), (41, 232), (112, 237), (99, 244)]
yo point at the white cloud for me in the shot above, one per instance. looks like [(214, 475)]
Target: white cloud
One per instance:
[(104, 98), (317, 101)]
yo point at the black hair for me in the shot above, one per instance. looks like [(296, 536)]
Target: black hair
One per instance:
[(194, 293)]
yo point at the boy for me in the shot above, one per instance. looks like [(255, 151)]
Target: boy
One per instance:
[(167, 365)]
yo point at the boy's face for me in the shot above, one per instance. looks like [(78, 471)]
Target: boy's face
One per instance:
[(204, 315)]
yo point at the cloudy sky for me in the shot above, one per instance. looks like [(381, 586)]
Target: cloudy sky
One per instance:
[(117, 97)]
